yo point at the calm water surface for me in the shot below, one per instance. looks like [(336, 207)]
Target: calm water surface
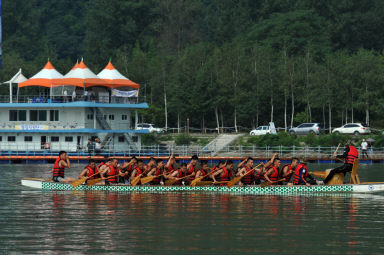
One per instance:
[(34, 221)]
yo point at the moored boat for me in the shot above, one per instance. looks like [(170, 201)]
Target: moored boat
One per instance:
[(332, 189)]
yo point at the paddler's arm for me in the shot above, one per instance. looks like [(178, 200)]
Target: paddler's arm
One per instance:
[(266, 175), (169, 161), (151, 172), (270, 162), (301, 173), (173, 175), (66, 163), (241, 163), (241, 172), (134, 172), (83, 173), (216, 173), (344, 155)]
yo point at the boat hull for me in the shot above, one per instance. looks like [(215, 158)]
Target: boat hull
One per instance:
[(345, 188)]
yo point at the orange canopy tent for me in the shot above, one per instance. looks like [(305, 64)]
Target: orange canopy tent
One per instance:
[(115, 79), (44, 78), (80, 76)]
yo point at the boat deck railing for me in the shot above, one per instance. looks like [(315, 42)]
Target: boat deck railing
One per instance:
[(184, 151), (68, 99)]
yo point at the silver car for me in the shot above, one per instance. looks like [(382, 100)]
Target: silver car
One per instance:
[(306, 128)]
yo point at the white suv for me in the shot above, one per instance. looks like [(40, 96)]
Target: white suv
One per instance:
[(352, 128), (262, 130), (150, 127)]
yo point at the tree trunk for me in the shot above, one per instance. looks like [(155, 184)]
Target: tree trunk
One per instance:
[(324, 115), (222, 121), (330, 117), (366, 105), (271, 90), (178, 122), (165, 109), (291, 74), (235, 121), (217, 120), (285, 111)]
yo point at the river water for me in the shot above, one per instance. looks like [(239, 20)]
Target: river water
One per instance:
[(35, 221)]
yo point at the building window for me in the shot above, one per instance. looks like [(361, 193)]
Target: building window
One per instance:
[(135, 138), (54, 139), (69, 138), (13, 115), (105, 117), (1, 138), (38, 115), (111, 117), (54, 115), (90, 116), (124, 117), (27, 138), (42, 115), (17, 115), (121, 139), (11, 138)]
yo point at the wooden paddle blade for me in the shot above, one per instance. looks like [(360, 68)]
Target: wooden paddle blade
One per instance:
[(78, 182), (265, 184), (147, 179), (94, 181), (195, 181), (203, 183), (170, 182), (234, 181), (135, 181)]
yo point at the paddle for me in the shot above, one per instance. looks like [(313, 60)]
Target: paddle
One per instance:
[(267, 183), (95, 181), (136, 180), (336, 149), (232, 183), (207, 183), (193, 183), (147, 179), (82, 180), (172, 181)]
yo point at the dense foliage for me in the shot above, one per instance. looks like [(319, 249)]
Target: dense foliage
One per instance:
[(219, 62)]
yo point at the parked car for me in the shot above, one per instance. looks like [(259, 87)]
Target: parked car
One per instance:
[(306, 128), (353, 128), (150, 127), (262, 130)]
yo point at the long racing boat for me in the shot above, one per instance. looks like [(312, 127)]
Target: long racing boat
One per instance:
[(257, 189)]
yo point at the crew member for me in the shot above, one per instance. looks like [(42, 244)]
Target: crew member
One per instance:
[(151, 164), (104, 165), (302, 177), (249, 178), (260, 177), (127, 168), (192, 168), (139, 169), (273, 173), (157, 171), (288, 170), (171, 164), (203, 171), (112, 173), (61, 163), (178, 173), (349, 156), (223, 174), (91, 171)]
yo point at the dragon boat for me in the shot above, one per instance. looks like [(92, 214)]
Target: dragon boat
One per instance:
[(257, 189), (337, 186)]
